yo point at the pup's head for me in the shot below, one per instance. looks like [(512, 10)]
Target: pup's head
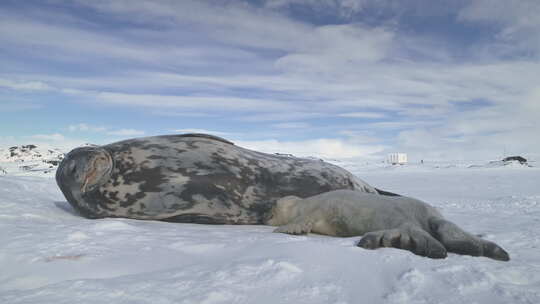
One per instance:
[(284, 210)]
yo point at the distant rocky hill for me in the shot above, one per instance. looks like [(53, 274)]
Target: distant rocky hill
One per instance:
[(29, 159), (511, 161)]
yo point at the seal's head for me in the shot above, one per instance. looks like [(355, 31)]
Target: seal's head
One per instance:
[(80, 174)]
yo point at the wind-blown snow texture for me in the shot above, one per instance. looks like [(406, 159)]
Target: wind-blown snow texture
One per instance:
[(49, 254)]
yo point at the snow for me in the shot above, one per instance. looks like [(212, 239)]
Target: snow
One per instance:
[(49, 254)]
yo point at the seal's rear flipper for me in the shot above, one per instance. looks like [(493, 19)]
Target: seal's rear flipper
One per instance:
[(409, 238), (458, 241)]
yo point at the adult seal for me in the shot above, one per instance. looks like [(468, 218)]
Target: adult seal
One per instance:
[(199, 178), (193, 178)]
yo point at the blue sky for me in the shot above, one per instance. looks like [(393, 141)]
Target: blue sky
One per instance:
[(338, 79)]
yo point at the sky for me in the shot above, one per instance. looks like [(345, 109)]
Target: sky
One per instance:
[(351, 79)]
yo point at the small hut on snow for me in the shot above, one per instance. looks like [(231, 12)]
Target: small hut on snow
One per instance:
[(397, 158)]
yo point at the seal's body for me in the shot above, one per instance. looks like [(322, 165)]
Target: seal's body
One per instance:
[(191, 178), (384, 221)]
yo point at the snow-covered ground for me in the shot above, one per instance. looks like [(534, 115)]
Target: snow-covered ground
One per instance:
[(49, 254)]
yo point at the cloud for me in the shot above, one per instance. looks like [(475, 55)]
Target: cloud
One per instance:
[(515, 13), (284, 115), (126, 132), (83, 127), (203, 131), (192, 102), (323, 148), (346, 9), (362, 115), (228, 28), (13, 106), (292, 125), (316, 65), (24, 85), (25, 32), (39, 32), (484, 134), (517, 21), (48, 137), (400, 125), (258, 65), (331, 47), (182, 114)]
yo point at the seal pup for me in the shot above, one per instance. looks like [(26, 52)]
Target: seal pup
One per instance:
[(384, 221)]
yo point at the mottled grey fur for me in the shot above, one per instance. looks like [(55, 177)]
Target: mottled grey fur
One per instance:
[(191, 178)]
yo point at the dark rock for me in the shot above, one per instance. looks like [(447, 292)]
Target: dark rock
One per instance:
[(520, 159), (52, 162)]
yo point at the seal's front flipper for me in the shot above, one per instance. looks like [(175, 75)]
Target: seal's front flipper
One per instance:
[(459, 241), (413, 239), (298, 226)]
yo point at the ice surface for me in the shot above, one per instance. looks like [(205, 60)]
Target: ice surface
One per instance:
[(49, 254)]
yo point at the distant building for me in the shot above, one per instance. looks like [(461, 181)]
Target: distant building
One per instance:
[(397, 158)]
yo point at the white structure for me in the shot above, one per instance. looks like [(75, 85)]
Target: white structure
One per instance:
[(397, 158)]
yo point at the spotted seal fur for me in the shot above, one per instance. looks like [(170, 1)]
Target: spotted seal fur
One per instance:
[(195, 178)]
